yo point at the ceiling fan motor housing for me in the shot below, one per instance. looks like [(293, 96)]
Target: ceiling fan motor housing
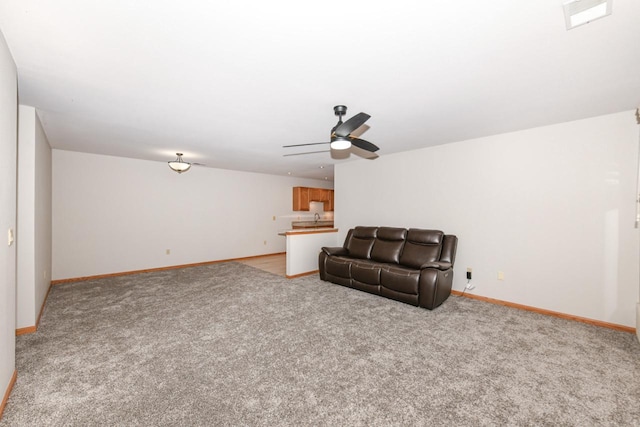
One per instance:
[(340, 110)]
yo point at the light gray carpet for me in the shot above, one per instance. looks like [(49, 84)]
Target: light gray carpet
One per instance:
[(228, 344)]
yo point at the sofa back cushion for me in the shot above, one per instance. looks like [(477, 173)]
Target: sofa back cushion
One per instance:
[(361, 242), (449, 246), (388, 244), (421, 246)]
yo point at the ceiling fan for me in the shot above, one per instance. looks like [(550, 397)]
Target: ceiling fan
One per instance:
[(341, 137)]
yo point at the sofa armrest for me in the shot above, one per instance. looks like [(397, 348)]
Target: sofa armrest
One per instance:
[(335, 251), (438, 265)]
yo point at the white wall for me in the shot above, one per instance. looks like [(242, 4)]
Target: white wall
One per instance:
[(8, 148), (551, 207), (43, 225), (34, 217), (114, 214), (303, 247)]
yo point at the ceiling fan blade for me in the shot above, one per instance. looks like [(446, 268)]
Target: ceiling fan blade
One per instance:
[(352, 124), (308, 152), (365, 145), (358, 132), (302, 145)]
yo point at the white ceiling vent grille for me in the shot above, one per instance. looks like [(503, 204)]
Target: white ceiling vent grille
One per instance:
[(580, 12)]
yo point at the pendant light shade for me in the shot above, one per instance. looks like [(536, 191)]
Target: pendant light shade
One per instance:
[(179, 165)]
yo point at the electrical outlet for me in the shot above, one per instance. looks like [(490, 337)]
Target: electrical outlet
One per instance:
[(265, 242), (168, 252), (469, 271), (500, 275)]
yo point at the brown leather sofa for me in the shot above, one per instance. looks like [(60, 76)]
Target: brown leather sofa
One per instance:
[(413, 266)]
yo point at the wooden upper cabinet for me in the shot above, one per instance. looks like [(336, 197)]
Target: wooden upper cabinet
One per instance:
[(303, 195), (300, 198), (318, 195), (328, 204)]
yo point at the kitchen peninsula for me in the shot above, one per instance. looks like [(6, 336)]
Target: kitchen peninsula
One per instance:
[(303, 247)]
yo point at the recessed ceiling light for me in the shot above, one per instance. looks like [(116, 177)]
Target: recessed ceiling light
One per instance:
[(321, 167), (288, 173), (580, 12)]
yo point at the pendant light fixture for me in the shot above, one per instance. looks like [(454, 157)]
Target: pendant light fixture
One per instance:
[(179, 165)]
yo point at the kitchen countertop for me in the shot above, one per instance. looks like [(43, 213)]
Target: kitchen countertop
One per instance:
[(308, 231), (319, 223)]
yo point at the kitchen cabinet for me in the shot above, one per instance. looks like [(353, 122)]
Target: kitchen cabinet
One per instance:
[(318, 195), (301, 198), (303, 195), (328, 204)]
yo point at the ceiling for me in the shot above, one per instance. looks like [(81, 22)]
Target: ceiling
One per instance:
[(229, 83)]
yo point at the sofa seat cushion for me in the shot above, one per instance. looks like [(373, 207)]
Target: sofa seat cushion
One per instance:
[(366, 272), (339, 266), (400, 279)]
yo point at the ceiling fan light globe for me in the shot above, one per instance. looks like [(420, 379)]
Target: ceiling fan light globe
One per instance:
[(340, 144)]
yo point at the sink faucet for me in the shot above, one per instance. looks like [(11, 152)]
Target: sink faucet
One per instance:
[(316, 217)]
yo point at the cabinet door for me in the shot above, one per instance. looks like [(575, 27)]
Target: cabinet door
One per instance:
[(315, 194), (328, 204), (320, 195), (300, 198)]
